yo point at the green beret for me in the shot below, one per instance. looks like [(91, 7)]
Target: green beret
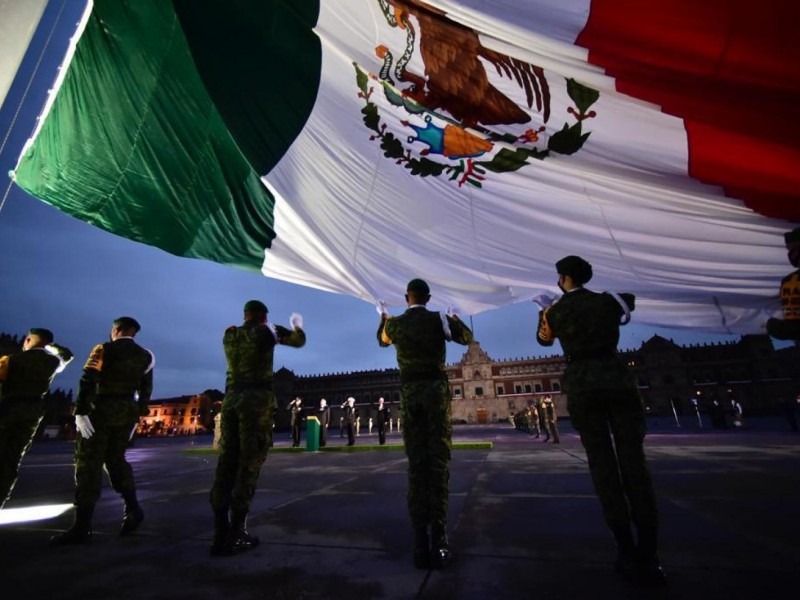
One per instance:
[(418, 286), (45, 334), (575, 267), (793, 236), (256, 306)]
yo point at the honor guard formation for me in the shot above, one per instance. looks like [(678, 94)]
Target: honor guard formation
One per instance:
[(603, 403)]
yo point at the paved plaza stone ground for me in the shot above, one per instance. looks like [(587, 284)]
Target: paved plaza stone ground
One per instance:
[(524, 522)]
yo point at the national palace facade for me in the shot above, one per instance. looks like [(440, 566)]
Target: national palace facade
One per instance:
[(751, 370)]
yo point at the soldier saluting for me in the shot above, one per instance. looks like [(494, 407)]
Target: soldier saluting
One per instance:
[(607, 411), (25, 378), (419, 336), (247, 418)]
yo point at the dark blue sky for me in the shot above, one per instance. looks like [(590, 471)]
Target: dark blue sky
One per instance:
[(63, 274)]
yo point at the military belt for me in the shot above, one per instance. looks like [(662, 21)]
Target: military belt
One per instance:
[(596, 355)]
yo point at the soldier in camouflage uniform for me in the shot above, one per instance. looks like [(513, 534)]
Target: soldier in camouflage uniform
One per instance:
[(25, 378), (247, 419), (548, 409), (534, 418), (419, 337), (607, 411), (114, 391)]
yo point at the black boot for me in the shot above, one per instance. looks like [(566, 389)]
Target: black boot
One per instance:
[(239, 540), (625, 563), (80, 532), (440, 548), (650, 573), (422, 548), (222, 527), (133, 517)]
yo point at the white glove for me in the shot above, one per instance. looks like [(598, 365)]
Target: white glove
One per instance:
[(380, 307), (452, 311), (133, 432), (296, 321), (543, 300), (84, 426)]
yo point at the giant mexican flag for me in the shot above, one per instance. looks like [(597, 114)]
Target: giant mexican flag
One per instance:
[(350, 145)]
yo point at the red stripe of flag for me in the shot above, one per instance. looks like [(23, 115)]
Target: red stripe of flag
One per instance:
[(731, 70)]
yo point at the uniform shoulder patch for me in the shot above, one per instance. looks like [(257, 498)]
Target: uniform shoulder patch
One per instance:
[(95, 360)]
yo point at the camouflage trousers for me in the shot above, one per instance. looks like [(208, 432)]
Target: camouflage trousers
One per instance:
[(19, 420), (427, 432), (246, 429), (612, 428), (113, 421)]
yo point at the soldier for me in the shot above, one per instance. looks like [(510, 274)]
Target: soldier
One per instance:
[(534, 411), (350, 416), (419, 337), (548, 409), (607, 411), (324, 416), (544, 422), (114, 391), (247, 418), (382, 414), (788, 328), (25, 379), (295, 409)]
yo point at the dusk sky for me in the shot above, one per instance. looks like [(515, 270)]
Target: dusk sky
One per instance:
[(63, 274)]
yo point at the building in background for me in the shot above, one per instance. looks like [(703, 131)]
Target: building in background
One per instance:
[(185, 415), (670, 377)]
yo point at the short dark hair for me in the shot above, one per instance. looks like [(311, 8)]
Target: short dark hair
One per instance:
[(45, 334), (418, 287), (575, 267), (256, 306), (126, 323)]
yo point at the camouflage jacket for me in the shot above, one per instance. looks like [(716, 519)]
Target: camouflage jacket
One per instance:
[(249, 351), (118, 369), (587, 325), (419, 337)]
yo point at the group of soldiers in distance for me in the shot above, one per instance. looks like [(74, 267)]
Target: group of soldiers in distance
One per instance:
[(539, 419), (350, 422)]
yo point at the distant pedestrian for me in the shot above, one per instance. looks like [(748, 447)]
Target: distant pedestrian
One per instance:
[(114, 391), (247, 418), (607, 411), (419, 337), (25, 379)]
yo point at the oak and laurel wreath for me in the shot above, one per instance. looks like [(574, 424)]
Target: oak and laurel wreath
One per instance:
[(568, 140)]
